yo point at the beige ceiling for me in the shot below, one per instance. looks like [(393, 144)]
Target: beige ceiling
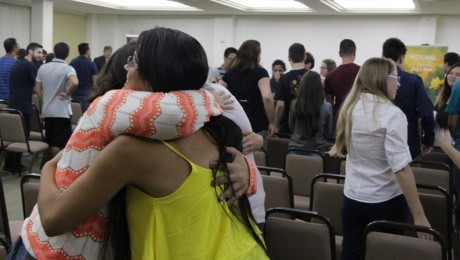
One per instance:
[(425, 7)]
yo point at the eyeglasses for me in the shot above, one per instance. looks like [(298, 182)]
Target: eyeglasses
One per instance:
[(323, 68), (131, 62), (398, 78)]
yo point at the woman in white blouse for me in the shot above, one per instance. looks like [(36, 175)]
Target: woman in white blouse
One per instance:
[(380, 184)]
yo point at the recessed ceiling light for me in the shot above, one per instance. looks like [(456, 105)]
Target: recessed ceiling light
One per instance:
[(370, 5), (141, 5), (266, 5)]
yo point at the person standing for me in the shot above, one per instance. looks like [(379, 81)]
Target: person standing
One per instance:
[(250, 84), (310, 116), (380, 184), (287, 89), (219, 72), (6, 64), (450, 59), (86, 73), (309, 61), (339, 82), (327, 65), (102, 60), (278, 69), (413, 100), (54, 84), (22, 80)]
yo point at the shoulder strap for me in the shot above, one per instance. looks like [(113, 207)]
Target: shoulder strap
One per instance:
[(176, 151)]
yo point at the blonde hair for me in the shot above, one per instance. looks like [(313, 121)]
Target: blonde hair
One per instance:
[(372, 78)]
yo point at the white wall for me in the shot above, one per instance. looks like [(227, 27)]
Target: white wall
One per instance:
[(448, 31), (320, 34)]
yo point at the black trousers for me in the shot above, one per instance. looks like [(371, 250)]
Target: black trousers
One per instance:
[(356, 215)]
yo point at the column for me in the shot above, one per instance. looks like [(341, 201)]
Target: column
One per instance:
[(42, 23)]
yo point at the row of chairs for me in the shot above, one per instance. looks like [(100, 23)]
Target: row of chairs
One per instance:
[(301, 224), (9, 230), (326, 197), (309, 235), (302, 169), (14, 137)]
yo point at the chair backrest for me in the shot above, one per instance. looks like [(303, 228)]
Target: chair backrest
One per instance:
[(77, 112), (4, 222), (4, 245), (276, 148), (297, 238), (12, 126), (434, 174), (332, 164), (343, 167), (380, 245), (437, 205), (3, 103), (326, 198), (278, 190), (29, 192), (36, 124), (36, 102), (303, 169), (260, 157), (437, 157)]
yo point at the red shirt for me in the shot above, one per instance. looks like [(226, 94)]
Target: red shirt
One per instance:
[(338, 83)]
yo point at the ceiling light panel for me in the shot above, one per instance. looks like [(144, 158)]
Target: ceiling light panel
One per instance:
[(370, 5), (140, 5), (266, 5)]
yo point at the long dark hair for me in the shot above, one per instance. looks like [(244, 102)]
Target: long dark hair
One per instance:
[(247, 56), (308, 106), (171, 60), (226, 133), (113, 73)]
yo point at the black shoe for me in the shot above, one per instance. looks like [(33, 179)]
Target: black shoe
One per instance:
[(19, 169), (7, 168)]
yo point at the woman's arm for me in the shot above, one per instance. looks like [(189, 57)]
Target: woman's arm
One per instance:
[(119, 164), (291, 119), (251, 142), (267, 98), (406, 181), (60, 211), (328, 122), (445, 141)]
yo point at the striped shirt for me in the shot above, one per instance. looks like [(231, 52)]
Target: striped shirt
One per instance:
[(6, 64)]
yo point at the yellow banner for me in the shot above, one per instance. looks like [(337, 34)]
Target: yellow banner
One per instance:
[(426, 61)]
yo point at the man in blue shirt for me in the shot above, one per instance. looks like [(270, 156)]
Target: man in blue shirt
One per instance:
[(86, 73), (22, 81), (413, 100), (6, 64)]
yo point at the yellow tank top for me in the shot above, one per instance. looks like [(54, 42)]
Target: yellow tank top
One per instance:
[(188, 224)]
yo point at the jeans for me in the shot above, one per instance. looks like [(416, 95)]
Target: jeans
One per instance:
[(356, 215), (18, 251), (300, 152)]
